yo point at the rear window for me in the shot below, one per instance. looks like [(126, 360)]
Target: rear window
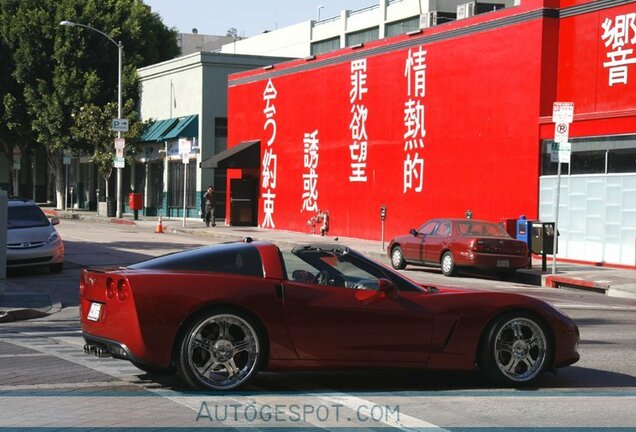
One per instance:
[(476, 228), (235, 258), (26, 217)]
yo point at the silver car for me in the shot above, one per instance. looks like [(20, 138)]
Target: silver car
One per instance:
[(31, 237)]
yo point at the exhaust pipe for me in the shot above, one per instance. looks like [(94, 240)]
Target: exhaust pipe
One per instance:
[(96, 350)]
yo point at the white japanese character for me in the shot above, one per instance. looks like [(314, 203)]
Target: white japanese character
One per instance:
[(268, 209), (270, 166), (358, 79), (413, 170), (358, 122)]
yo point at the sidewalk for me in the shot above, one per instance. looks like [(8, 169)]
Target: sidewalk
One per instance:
[(608, 281)]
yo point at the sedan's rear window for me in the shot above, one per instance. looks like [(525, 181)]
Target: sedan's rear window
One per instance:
[(476, 228), (27, 216)]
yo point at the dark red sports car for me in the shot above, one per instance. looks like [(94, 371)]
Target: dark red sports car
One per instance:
[(219, 314), (455, 243)]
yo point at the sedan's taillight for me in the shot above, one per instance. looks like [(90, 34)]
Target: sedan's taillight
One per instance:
[(477, 246), (122, 290)]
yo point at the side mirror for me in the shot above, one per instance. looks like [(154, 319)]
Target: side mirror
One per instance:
[(387, 287), (55, 220), (413, 232)]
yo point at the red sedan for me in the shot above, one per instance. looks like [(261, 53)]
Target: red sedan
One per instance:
[(454, 243), (219, 314)]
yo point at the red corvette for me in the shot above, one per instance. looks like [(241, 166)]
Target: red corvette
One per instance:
[(454, 243), (219, 314)]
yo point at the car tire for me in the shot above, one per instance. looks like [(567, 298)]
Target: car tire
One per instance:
[(516, 350), (56, 268), (221, 349), (448, 264), (397, 258)]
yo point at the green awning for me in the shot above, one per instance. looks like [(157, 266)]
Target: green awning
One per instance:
[(186, 127), (156, 131)]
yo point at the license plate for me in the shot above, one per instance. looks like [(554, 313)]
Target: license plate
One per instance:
[(94, 311), (503, 263)]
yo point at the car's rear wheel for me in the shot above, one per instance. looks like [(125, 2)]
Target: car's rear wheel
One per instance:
[(516, 350), (56, 268), (220, 350), (397, 258), (448, 264)]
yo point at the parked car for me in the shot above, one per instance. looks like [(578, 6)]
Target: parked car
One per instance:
[(219, 314), (31, 237), (455, 243)]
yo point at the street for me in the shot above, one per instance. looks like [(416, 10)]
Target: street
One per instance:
[(47, 380)]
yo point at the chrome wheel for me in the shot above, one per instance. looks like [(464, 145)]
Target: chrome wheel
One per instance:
[(221, 352), (520, 349), (397, 258), (448, 264)]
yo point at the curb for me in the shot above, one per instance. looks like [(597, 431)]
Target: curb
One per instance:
[(573, 282)]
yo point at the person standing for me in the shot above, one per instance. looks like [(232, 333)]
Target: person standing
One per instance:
[(210, 205)]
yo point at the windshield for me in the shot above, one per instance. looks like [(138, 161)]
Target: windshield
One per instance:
[(27, 216), (477, 228), (343, 268)]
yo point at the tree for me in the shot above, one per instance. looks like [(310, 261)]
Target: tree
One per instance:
[(56, 70), (233, 33)]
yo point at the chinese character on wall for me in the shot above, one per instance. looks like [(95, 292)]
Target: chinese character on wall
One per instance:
[(270, 163), (619, 35), (359, 113), (310, 176), (414, 128)]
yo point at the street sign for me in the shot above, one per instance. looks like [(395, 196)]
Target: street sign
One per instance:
[(120, 143), (185, 146), (562, 112), (119, 162), (561, 131), (120, 125), (119, 153), (66, 158), (560, 152), (565, 151)]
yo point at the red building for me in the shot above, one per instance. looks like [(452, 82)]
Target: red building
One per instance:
[(456, 117)]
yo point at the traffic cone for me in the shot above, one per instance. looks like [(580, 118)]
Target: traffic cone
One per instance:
[(159, 229)]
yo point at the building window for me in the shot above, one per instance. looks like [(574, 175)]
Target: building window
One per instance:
[(363, 36), (402, 27), (598, 155), (220, 127), (325, 46), (621, 160), (175, 190)]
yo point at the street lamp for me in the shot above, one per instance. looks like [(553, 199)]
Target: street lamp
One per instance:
[(318, 12), (120, 49)]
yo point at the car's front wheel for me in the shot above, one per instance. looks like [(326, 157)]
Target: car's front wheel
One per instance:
[(397, 258), (516, 350), (220, 350)]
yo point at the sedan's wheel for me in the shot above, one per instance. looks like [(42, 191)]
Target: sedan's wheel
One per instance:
[(397, 258), (448, 264), (516, 351), (220, 351)]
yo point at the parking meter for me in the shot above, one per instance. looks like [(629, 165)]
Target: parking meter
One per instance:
[(382, 218)]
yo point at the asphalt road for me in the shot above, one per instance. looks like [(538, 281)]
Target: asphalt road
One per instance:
[(46, 379)]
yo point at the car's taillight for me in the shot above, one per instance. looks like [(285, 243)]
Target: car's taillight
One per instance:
[(477, 246), (122, 290), (110, 288)]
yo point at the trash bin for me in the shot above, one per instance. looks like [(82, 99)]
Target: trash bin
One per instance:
[(110, 207), (135, 204)]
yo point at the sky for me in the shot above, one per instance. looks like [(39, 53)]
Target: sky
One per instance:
[(249, 17)]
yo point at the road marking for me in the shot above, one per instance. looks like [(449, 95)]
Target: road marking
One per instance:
[(23, 355), (584, 306), (60, 386)]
